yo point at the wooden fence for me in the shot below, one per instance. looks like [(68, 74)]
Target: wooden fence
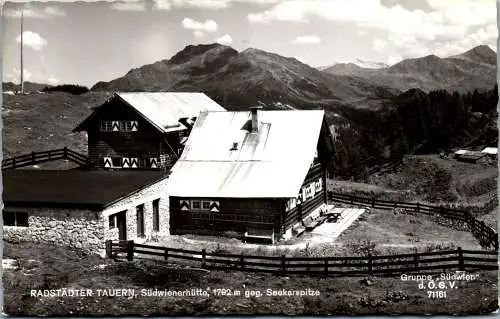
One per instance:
[(487, 236), (41, 157), (430, 262)]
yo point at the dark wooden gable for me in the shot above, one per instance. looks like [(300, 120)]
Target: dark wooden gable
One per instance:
[(143, 144), (325, 145), (114, 109)]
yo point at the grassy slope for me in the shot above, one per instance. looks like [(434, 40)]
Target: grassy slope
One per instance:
[(431, 179), (48, 267), (39, 122), (397, 232), (491, 219)]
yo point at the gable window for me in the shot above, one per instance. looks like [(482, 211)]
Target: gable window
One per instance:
[(156, 215), (121, 126), (127, 126), (106, 126), (116, 161), (19, 219)]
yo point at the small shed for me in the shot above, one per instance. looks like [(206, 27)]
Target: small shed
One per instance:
[(82, 209), (469, 156), (257, 174), (142, 130)]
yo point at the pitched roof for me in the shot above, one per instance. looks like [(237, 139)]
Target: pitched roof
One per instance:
[(272, 163), (77, 188), (164, 109)]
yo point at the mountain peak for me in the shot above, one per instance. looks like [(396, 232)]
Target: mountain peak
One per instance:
[(191, 51), (480, 54), (483, 48)]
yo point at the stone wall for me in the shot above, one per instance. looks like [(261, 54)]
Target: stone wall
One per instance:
[(75, 228), (88, 230), (143, 197)]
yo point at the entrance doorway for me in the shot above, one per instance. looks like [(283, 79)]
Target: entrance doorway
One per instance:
[(121, 224)]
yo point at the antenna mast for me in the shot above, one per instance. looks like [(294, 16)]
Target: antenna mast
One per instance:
[(22, 44)]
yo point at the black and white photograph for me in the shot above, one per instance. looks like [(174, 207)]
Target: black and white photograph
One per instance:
[(249, 157)]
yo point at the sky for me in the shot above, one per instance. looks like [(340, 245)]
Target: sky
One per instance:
[(89, 41)]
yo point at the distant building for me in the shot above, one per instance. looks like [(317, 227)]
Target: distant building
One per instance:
[(469, 156), (491, 151), (142, 130), (82, 209), (256, 174)]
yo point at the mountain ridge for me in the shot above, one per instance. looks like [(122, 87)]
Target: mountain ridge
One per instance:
[(470, 70), (240, 79)]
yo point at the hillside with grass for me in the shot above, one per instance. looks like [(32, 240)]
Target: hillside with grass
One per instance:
[(40, 122), (37, 266)]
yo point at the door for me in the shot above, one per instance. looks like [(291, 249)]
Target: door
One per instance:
[(121, 223)]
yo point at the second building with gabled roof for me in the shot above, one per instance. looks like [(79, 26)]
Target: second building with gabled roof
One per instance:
[(142, 129), (256, 174)]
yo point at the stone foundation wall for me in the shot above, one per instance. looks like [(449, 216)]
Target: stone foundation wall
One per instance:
[(80, 229), (88, 230)]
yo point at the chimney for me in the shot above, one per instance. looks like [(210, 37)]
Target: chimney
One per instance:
[(254, 110)]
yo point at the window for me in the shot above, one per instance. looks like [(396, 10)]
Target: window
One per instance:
[(140, 220), (15, 219), (156, 215), (205, 205), (106, 126), (122, 126), (112, 221), (195, 204), (116, 161)]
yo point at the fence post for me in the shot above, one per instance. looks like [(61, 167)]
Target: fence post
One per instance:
[(283, 266), (460, 258), (166, 253), (326, 267), (242, 262), (352, 199), (33, 157), (65, 152), (418, 207), (203, 257), (130, 250), (373, 201), (415, 260), (370, 264), (14, 162), (109, 248)]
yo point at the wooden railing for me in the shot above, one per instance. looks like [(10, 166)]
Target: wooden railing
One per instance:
[(487, 236), (34, 158), (329, 266)]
